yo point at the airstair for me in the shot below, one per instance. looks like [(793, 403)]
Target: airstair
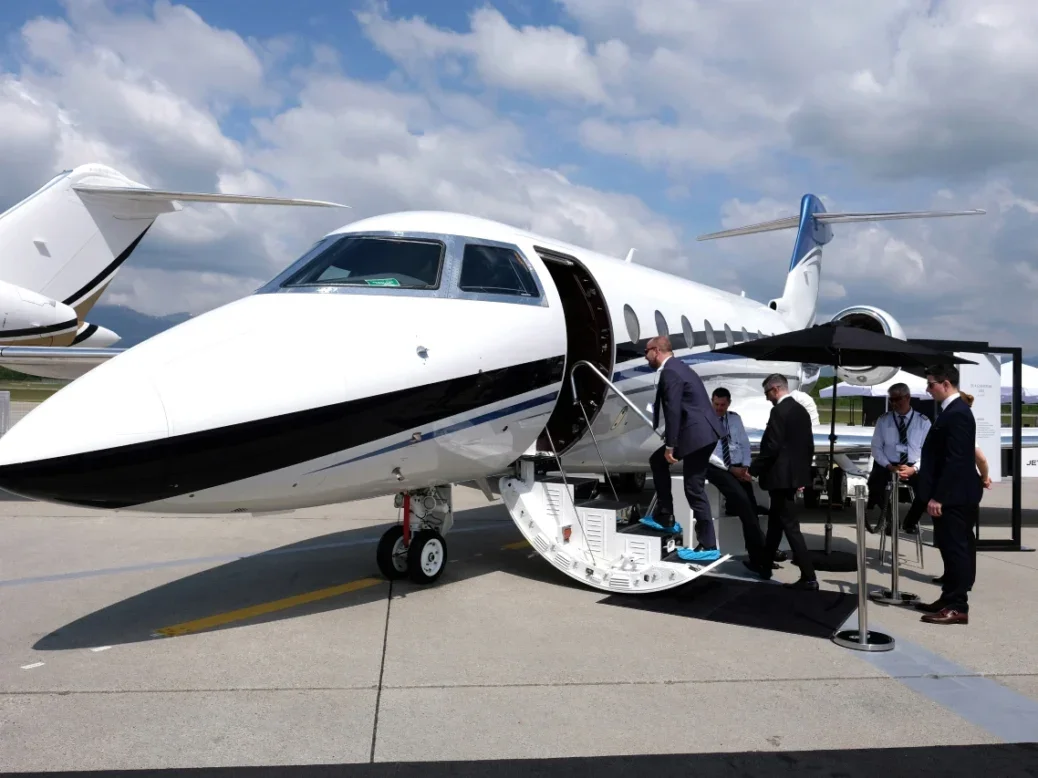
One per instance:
[(596, 540)]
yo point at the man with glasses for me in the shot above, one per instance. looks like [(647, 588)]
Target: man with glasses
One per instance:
[(897, 444), (952, 488), (691, 432), (783, 466)]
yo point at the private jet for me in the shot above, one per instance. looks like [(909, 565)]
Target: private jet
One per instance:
[(408, 353), (60, 249)]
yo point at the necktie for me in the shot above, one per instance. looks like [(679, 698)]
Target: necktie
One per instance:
[(724, 444), (902, 430)]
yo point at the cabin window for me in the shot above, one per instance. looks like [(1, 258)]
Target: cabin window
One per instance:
[(370, 261), (690, 335), (634, 329), (661, 325), (728, 336), (495, 270), (745, 335), (710, 340)]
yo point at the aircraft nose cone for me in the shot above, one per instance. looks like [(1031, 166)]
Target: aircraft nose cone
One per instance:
[(87, 444)]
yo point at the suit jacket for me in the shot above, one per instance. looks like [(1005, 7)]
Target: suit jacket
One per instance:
[(949, 465), (687, 411), (786, 448)]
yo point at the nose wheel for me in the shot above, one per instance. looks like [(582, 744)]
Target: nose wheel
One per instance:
[(423, 561), (391, 554), (427, 556), (416, 549)]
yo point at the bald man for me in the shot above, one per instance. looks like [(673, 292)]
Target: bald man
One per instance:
[(691, 434)]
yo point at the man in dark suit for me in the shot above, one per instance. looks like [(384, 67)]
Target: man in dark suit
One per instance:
[(952, 488), (783, 466), (692, 431)]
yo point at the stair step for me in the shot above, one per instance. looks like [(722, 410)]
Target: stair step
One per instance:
[(637, 528)]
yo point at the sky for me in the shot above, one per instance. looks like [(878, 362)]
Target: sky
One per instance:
[(613, 124)]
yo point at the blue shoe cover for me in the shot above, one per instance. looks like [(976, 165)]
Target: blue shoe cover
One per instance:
[(648, 521), (708, 555)]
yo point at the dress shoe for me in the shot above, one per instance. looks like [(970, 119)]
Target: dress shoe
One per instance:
[(947, 616), (939, 579), (781, 556), (755, 568), (802, 585), (930, 607)]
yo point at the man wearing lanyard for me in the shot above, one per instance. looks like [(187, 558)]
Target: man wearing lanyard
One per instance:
[(729, 471), (897, 444)]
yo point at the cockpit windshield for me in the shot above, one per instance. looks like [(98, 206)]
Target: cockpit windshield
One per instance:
[(365, 260)]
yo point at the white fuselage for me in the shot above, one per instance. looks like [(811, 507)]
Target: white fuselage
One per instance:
[(324, 393)]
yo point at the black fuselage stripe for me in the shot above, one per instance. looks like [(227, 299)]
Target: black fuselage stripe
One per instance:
[(114, 265), (86, 333), (155, 470), (49, 329)]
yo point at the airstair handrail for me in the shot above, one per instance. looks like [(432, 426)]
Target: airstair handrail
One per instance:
[(611, 385)]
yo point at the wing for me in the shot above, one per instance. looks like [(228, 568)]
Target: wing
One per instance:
[(67, 362)]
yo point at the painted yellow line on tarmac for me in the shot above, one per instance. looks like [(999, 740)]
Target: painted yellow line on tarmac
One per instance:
[(517, 544), (266, 607)]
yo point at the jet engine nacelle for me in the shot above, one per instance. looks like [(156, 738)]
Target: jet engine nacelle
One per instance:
[(868, 317), (27, 317)]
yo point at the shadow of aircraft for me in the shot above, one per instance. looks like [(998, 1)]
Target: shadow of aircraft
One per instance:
[(316, 575)]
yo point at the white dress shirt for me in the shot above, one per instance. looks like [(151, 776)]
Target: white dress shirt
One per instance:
[(738, 443), (886, 440)]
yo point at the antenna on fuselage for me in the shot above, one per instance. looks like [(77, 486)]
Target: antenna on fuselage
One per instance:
[(630, 256)]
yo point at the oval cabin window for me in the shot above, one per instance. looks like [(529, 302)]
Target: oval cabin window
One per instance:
[(689, 333), (661, 325), (631, 320)]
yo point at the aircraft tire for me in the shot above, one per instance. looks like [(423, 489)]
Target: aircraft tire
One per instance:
[(427, 556), (391, 556)]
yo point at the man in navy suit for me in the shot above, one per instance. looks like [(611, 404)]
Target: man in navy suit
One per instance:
[(691, 434), (952, 489)]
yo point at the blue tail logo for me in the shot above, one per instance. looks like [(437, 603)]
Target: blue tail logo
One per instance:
[(812, 233)]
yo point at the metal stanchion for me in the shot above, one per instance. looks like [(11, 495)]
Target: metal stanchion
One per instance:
[(893, 595), (861, 639)]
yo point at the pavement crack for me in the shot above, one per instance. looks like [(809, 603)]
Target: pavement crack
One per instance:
[(381, 673)]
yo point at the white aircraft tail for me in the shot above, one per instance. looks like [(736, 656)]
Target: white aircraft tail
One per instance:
[(798, 304), (68, 239)]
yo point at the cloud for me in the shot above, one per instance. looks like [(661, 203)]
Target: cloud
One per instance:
[(717, 115), (540, 60), (102, 86)]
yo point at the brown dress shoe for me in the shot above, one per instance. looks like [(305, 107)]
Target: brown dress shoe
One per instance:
[(947, 616), (930, 607)]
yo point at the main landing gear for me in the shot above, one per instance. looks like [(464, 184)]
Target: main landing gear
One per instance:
[(416, 548)]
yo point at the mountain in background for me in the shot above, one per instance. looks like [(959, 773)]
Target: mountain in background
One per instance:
[(130, 325)]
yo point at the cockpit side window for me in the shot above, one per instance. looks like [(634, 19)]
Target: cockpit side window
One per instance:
[(495, 270), (370, 261)]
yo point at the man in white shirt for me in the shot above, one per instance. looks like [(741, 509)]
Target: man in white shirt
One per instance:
[(897, 444), (729, 471)]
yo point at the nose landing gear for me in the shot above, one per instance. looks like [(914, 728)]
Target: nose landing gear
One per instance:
[(421, 556)]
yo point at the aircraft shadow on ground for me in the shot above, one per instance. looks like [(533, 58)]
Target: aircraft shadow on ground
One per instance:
[(291, 571)]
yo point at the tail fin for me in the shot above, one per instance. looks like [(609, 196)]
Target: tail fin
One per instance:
[(799, 301), (68, 239)]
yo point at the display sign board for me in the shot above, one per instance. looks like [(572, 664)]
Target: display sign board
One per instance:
[(984, 381)]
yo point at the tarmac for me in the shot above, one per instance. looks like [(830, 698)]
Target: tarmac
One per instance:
[(130, 641)]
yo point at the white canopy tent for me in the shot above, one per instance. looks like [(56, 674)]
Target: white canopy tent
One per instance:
[(1029, 384)]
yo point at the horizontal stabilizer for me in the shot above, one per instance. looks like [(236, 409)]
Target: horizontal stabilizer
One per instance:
[(791, 222), (162, 195)]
